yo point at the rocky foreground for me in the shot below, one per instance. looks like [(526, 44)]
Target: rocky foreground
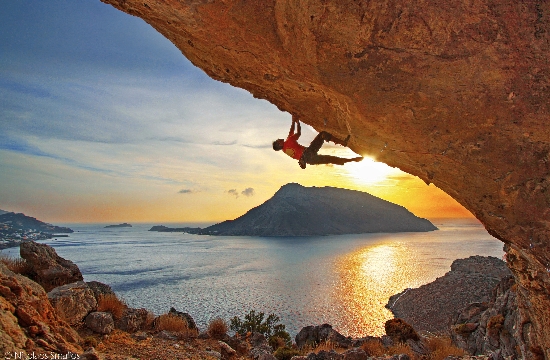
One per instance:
[(46, 309)]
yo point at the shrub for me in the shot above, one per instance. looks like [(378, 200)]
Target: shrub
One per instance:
[(373, 347), (255, 323), (217, 328), (17, 265), (112, 304), (172, 323), (286, 353), (441, 346), (400, 331)]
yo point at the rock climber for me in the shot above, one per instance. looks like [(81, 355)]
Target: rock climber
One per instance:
[(308, 155)]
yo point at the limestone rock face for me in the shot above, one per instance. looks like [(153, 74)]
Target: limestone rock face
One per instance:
[(47, 268), (28, 321), (73, 301), (456, 94), (499, 325)]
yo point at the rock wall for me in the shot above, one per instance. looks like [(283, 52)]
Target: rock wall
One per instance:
[(457, 94), (28, 322)]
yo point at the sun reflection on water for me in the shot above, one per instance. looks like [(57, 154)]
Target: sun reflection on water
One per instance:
[(368, 277)]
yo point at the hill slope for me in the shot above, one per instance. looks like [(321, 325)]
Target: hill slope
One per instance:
[(24, 222), (296, 210)]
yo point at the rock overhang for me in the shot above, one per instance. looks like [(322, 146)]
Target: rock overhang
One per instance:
[(458, 95)]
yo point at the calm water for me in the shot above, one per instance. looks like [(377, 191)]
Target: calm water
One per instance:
[(341, 280)]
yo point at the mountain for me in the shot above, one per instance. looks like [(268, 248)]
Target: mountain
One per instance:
[(296, 210), (24, 222), (3, 212)]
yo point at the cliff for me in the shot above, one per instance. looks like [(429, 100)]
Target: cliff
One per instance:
[(296, 210), (456, 94), (432, 307)]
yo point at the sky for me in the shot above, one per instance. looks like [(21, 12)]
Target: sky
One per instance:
[(103, 120)]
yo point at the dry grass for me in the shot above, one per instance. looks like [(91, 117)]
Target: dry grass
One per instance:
[(374, 347), (175, 324), (119, 337), (17, 265), (217, 328), (401, 348), (327, 346), (441, 346), (112, 304)]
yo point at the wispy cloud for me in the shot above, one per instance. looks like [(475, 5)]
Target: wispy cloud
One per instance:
[(185, 191), (225, 143)]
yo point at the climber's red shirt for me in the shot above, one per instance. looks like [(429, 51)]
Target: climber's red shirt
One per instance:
[(292, 148)]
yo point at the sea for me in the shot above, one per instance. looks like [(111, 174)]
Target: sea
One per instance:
[(343, 280)]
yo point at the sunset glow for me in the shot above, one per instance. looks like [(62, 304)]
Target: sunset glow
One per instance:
[(104, 120), (369, 172)]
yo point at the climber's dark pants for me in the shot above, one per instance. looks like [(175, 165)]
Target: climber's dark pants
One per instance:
[(310, 155)]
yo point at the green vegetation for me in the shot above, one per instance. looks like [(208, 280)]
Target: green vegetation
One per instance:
[(254, 322)]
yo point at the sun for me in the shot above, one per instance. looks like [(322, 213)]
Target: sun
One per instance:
[(369, 172)]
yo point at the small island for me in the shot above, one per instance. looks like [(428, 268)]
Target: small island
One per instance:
[(118, 226), (162, 228)]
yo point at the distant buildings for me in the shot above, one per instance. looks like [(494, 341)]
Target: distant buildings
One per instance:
[(10, 236)]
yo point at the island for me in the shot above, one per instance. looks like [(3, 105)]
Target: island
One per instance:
[(296, 210), (118, 226), (162, 228)]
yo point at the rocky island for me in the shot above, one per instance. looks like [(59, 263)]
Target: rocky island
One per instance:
[(118, 226), (296, 210), (162, 228)]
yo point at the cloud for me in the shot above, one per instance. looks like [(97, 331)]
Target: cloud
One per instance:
[(248, 192), (224, 143), (186, 191), (233, 192)]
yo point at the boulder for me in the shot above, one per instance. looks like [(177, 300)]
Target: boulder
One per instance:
[(226, 351), (355, 354), (400, 331), (133, 320), (313, 335), (100, 322), (190, 322), (100, 289), (47, 268), (73, 301), (28, 321)]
